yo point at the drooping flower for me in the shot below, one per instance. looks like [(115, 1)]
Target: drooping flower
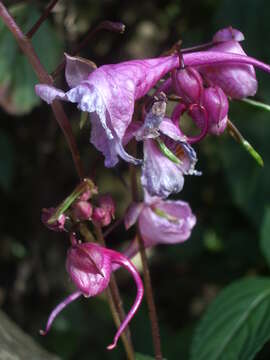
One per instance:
[(89, 266), (108, 93), (160, 222)]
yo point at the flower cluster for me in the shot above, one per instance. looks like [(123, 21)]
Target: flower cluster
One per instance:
[(203, 82)]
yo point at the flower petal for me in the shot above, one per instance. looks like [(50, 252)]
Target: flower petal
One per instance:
[(160, 176), (156, 229), (77, 69)]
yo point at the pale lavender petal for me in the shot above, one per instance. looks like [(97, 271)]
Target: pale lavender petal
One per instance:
[(77, 69), (160, 176), (167, 127), (174, 227), (49, 93), (58, 309), (132, 214), (228, 34), (110, 147), (131, 131)]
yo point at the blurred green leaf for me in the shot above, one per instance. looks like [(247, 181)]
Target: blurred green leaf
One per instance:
[(143, 357), (17, 78), (265, 235), (6, 161), (236, 325)]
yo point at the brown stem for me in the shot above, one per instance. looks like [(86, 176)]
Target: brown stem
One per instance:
[(42, 18), (104, 25), (146, 272), (28, 50), (117, 303)]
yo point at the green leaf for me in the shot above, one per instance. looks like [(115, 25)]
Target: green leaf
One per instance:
[(17, 78), (265, 236), (237, 323), (143, 357)]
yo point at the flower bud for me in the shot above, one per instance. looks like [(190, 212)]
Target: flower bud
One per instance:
[(57, 225), (106, 202), (217, 106), (86, 195), (101, 216), (188, 84), (82, 210)]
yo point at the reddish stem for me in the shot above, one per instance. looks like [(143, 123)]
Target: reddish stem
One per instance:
[(28, 50), (42, 18), (146, 272)]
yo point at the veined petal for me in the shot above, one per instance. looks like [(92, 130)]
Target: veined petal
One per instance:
[(160, 176), (173, 227)]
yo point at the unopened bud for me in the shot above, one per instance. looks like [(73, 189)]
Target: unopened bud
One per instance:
[(188, 84), (58, 225), (217, 106), (106, 202), (101, 216), (82, 210)]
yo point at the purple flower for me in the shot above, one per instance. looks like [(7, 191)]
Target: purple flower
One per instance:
[(160, 222), (109, 93), (89, 266)]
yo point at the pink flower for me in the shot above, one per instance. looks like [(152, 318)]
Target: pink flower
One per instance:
[(109, 93), (160, 222), (89, 266)]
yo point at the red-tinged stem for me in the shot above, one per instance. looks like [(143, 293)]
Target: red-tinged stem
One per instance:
[(42, 18), (28, 50), (104, 25), (146, 272)]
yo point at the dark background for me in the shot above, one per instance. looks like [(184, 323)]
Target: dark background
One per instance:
[(36, 171)]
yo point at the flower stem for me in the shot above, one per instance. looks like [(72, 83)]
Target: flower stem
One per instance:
[(28, 50), (116, 304), (42, 18), (146, 272)]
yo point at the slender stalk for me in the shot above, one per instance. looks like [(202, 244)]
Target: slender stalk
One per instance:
[(116, 303), (28, 50), (104, 25), (146, 272), (42, 18)]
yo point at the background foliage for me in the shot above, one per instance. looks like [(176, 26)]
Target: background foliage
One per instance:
[(231, 200)]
